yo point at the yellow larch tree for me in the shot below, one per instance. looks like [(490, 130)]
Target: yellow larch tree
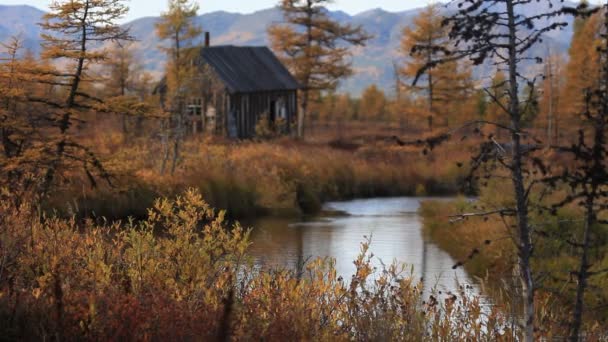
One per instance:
[(582, 70), (121, 74), (177, 26), (444, 85), (73, 30), (15, 130), (496, 108), (314, 47), (373, 104)]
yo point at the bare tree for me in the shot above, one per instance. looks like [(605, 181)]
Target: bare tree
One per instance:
[(502, 32)]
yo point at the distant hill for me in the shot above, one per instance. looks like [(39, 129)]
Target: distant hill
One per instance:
[(373, 63), (22, 21)]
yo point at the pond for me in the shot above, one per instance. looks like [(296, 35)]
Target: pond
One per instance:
[(393, 224)]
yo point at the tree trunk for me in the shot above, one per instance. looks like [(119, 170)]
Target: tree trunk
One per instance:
[(302, 115), (125, 130), (590, 220), (431, 90), (551, 94), (523, 240), (582, 274), (165, 146), (64, 123), (176, 148), (178, 135), (307, 80)]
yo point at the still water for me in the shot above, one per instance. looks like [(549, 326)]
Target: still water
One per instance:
[(393, 224)]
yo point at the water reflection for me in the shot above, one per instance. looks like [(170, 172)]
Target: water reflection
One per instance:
[(393, 224)]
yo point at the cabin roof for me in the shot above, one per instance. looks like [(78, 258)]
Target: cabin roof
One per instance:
[(249, 69)]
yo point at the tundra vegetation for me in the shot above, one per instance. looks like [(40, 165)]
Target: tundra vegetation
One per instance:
[(114, 220)]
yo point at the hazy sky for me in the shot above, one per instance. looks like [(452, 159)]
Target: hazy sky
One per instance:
[(142, 8)]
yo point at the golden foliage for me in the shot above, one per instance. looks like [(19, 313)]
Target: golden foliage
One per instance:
[(248, 177), (373, 104), (178, 27), (314, 47), (446, 86), (56, 100), (583, 69)]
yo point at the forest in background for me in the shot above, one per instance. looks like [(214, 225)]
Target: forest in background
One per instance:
[(107, 196)]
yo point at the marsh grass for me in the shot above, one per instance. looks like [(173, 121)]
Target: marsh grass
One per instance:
[(255, 178)]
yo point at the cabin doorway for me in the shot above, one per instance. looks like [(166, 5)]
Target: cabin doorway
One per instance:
[(273, 113)]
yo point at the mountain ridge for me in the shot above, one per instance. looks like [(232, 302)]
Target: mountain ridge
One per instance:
[(372, 64)]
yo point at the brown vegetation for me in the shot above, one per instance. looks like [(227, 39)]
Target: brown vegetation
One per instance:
[(249, 178), (182, 273)]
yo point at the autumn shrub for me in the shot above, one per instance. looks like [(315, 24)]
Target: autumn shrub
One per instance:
[(93, 281), (184, 274)]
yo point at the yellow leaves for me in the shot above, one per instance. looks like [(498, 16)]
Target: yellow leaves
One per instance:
[(446, 84), (50, 101), (318, 60), (177, 25), (36, 293), (197, 247), (373, 103)]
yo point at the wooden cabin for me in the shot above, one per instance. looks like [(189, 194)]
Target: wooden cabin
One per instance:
[(236, 88)]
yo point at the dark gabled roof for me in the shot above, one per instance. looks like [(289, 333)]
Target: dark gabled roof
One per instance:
[(249, 69)]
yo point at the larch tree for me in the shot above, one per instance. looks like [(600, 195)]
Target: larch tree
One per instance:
[(397, 107), (18, 121), (345, 111), (19, 80), (373, 104), (12, 128), (582, 69), (121, 70), (504, 33), (177, 26), (52, 99), (444, 84), (327, 106), (530, 107), (72, 33), (481, 104), (314, 47), (497, 96), (121, 76)]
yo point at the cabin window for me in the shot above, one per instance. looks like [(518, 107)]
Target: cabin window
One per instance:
[(281, 109), (195, 106)]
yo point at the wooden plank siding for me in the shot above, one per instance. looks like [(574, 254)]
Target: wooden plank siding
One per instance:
[(249, 108)]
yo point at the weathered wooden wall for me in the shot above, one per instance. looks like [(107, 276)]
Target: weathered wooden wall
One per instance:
[(248, 110)]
